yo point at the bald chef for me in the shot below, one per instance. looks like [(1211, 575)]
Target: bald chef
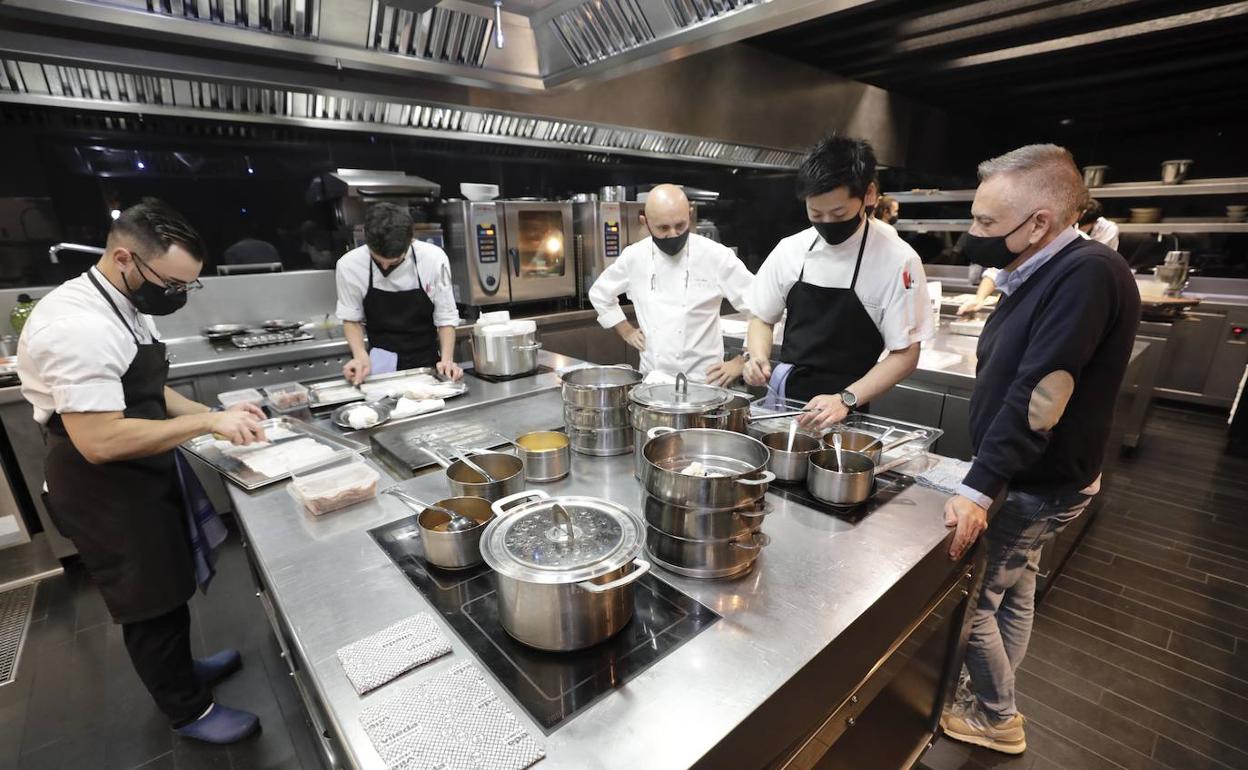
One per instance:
[(676, 280), (94, 369)]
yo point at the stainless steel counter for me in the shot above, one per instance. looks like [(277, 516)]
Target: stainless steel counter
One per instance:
[(329, 584)]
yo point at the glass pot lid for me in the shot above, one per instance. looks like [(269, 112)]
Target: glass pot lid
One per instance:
[(561, 540), (681, 396)]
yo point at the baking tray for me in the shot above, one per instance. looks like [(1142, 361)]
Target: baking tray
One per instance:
[(204, 447), (315, 389), (404, 443), (858, 421)]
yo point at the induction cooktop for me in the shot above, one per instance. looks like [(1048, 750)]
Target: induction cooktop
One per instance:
[(541, 369), (887, 486), (551, 686)]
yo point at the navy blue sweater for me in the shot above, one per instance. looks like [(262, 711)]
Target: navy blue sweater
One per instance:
[(1075, 316)]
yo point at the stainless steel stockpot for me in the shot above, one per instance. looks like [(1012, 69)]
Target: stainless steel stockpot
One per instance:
[(599, 387), (564, 568), (505, 354), (705, 558), (739, 461), (703, 523)]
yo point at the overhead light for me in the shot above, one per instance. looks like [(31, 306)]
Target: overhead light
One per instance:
[(115, 213), (140, 165), (1067, 121)]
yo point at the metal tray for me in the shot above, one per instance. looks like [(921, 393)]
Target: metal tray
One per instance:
[(858, 421), (204, 447), (404, 443), (382, 407), (315, 389)]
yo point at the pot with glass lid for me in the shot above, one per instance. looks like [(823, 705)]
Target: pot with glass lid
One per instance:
[(678, 406), (564, 568)]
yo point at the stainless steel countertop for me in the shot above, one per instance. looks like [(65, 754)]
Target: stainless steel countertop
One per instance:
[(332, 585)]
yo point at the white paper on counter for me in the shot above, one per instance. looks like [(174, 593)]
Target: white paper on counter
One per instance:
[(938, 360)]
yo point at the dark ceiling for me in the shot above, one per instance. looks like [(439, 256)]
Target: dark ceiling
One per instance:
[(1144, 63)]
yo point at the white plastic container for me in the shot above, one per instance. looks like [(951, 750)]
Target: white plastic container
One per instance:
[(244, 396), (325, 491), (287, 396)]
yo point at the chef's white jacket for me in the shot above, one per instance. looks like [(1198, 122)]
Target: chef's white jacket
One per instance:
[(677, 300)]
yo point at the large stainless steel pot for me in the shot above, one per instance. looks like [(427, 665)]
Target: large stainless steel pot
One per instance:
[(599, 387), (507, 470), (705, 558), (564, 568), (739, 460), (677, 406), (505, 353), (789, 453), (703, 523), (845, 485), (598, 432)]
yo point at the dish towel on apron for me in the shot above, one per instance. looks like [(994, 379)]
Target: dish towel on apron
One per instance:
[(383, 361), (206, 529), (775, 387)]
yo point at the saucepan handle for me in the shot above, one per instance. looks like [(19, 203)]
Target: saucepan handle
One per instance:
[(659, 430), (765, 477), (756, 542), (640, 567), (502, 505)]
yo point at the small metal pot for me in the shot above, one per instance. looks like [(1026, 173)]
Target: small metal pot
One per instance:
[(547, 455), (507, 470), (703, 523), (738, 414), (454, 550), (505, 355), (705, 558), (599, 387), (1174, 171), (564, 568), (789, 462), (846, 486), (857, 441), (740, 459)]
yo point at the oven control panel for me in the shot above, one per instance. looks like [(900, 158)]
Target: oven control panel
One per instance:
[(487, 240)]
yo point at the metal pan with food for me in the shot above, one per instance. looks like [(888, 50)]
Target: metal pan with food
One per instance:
[(705, 468), (361, 416), (503, 473), (450, 529), (848, 480)]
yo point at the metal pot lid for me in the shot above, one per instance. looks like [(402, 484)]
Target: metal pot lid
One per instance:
[(537, 544), (680, 397)]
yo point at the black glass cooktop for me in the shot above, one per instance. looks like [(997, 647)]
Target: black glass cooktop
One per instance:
[(552, 686), (887, 487), (541, 369)]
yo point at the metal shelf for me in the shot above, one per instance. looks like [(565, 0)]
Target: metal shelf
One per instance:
[(1218, 186), (952, 225)]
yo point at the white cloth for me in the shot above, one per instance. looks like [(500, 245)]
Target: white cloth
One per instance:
[(74, 349), (677, 300), (1105, 231), (891, 283), (432, 267)]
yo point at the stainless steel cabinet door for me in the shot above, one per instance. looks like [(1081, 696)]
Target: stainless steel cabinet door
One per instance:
[(1193, 343)]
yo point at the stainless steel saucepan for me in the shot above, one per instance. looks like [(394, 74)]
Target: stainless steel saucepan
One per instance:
[(506, 470), (848, 484)]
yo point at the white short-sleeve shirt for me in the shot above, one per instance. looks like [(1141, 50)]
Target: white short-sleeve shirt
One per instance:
[(891, 283), (431, 272), (74, 349)]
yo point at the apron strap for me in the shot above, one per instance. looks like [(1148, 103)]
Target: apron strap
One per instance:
[(415, 267), (862, 247), (113, 305)]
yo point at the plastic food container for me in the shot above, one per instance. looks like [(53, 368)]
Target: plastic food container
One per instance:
[(325, 491), (290, 395), (244, 396)]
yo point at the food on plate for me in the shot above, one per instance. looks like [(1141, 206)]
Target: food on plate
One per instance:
[(362, 417)]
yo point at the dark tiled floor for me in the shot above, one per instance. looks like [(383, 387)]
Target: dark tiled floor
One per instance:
[(1140, 652), (78, 704)]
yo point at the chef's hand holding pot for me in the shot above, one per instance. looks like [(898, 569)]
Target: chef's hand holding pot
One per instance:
[(969, 518)]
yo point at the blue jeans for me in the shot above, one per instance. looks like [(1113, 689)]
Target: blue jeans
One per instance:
[(1001, 625)]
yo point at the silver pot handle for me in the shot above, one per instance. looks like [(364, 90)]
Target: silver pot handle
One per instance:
[(757, 541), (762, 510), (640, 567), (534, 346), (766, 478), (659, 430), (439, 459), (888, 466), (500, 506)]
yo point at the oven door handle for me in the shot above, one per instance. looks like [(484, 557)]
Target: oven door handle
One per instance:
[(513, 256)]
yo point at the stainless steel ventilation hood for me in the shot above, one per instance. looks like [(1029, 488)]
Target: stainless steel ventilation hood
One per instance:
[(545, 43), (366, 183)]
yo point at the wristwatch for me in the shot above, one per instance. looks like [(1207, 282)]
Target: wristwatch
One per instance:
[(849, 399)]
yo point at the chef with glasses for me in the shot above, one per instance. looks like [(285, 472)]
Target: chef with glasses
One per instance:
[(676, 280)]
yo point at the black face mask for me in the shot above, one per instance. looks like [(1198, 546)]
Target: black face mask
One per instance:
[(151, 299), (838, 232), (671, 246), (891, 219), (992, 250), (386, 271)]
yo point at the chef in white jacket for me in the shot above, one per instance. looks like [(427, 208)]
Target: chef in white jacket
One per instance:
[(676, 280)]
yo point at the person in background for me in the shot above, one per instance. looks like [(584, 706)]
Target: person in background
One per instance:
[(855, 294), (1051, 360), (1094, 224), (888, 210), (92, 366), (987, 285), (677, 281), (399, 289)]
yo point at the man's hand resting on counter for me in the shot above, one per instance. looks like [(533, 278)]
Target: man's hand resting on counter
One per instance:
[(969, 519)]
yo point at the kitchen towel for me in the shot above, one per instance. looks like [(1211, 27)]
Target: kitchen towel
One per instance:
[(453, 721), (945, 474), (376, 659), (204, 526), (382, 361)]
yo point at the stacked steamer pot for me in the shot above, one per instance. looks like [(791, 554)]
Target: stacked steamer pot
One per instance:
[(678, 406), (595, 409), (704, 526)]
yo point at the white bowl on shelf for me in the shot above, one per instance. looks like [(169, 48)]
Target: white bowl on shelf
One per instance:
[(478, 193)]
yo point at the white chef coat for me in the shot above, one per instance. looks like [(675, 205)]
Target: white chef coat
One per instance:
[(1105, 231), (74, 349), (431, 267), (677, 300), (891, 283)]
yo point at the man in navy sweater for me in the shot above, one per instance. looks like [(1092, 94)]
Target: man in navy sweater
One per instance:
[(1051, 361)]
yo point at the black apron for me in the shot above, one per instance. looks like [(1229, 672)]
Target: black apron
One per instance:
[(126, 518), (829, 337), (401, 322)]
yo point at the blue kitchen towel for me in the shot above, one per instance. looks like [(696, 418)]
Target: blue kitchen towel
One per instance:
[(207, 530), (383, 361), (775, 399)]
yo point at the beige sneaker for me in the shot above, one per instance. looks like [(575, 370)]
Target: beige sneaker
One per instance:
[(968, 723)]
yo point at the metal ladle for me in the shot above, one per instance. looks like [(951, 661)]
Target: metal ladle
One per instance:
[(836, 444), (463, 457), (458, 523)]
